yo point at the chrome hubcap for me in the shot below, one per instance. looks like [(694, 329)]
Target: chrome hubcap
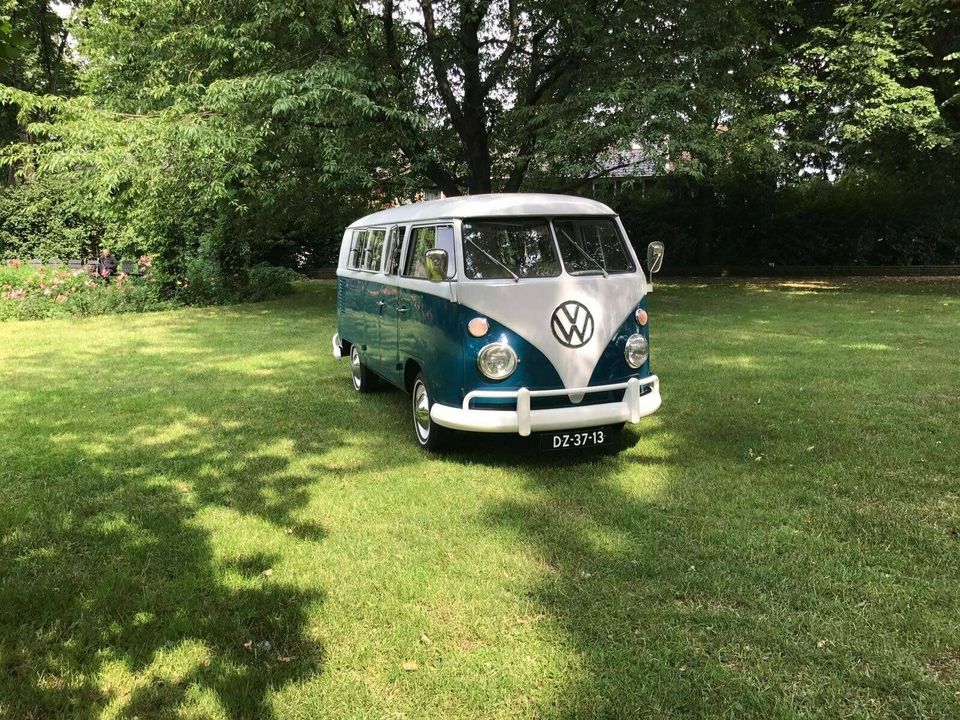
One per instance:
[(355, 367), (421, 411)]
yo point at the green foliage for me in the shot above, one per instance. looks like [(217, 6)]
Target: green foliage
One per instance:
[(874, 83), (45, 219), (253, 132), (205, 283), (265, 281), (862, 219), (34, 55), (245, 158), (29, 294)]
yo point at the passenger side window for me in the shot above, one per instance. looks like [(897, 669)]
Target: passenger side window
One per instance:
[(373, 251), (356, 249), (427, 238)]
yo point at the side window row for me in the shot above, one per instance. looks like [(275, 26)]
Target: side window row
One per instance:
[(367, 248)]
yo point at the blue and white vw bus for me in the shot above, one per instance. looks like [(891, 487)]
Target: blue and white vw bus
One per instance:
[(514, 313)]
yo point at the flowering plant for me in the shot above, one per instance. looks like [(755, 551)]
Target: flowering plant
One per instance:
[(30, 293)]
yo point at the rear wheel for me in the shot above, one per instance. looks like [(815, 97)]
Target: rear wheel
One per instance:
[(364, 380), (429, 435)]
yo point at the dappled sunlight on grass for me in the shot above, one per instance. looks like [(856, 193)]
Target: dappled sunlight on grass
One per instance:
[(808, 284), (739, 361), (158, 683), (879, 347), (202, 519), (186, 429)]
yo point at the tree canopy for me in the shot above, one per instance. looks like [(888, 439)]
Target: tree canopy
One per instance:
[(242, 131)]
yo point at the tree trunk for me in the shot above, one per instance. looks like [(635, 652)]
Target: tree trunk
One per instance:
[(478, 161), (473, 129)]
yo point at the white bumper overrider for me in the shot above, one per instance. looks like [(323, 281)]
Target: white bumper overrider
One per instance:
[(523, 420)]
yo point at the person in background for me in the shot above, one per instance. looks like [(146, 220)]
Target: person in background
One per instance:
[(107, 265)]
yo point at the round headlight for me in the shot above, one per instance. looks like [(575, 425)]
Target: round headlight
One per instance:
[(636, 350), (497, 361)]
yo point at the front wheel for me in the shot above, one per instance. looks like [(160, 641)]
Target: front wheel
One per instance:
[(430, 436)]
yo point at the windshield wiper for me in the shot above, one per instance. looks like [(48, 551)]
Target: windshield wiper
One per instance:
[(583, 252), (516, 278)]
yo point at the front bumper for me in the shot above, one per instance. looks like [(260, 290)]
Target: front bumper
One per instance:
[(523, 420)]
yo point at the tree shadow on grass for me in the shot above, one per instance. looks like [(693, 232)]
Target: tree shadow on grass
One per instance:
[(113, 597), (151, 495)]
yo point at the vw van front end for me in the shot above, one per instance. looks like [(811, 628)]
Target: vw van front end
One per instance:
[(572, 357), (555, 328)]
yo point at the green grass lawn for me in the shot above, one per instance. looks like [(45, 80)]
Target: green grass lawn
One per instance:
[(199, 518)]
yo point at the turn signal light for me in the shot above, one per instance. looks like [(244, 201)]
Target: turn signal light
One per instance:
[(641, 316), (478, 327)]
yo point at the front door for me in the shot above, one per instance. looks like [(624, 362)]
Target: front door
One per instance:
[(419, 315), (429, 320)]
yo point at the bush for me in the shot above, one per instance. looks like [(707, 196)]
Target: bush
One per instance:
[(269, 281), (861, 219), (205, 284), (29, 294), (41, 219)]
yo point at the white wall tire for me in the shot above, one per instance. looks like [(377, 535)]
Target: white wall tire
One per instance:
[(363, 379), (428, 434)]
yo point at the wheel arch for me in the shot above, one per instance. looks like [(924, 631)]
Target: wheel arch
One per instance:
[(410, 370)]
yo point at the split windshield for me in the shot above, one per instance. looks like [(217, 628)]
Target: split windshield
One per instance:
[(524, 248), (508, 248)]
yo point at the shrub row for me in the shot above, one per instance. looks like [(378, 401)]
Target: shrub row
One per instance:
[(895, 220), (27, 293)]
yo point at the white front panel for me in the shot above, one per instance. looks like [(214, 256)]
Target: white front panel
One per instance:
[(527, 308)]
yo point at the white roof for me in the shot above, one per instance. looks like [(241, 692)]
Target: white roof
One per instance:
[(493, 205)]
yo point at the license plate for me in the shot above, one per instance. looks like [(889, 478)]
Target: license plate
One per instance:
[(574, 439)]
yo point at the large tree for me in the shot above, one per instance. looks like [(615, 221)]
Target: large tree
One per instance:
[(34, 56), (241, 130), (506, 90), (873, 83)]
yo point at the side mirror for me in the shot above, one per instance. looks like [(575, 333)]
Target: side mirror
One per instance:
[(654, 257), (436, 263)]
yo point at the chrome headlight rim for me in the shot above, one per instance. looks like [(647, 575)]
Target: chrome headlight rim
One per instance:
[(485, 352), (636, 351)]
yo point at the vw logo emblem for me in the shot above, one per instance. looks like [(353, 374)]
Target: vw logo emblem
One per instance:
[(572, 324)]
